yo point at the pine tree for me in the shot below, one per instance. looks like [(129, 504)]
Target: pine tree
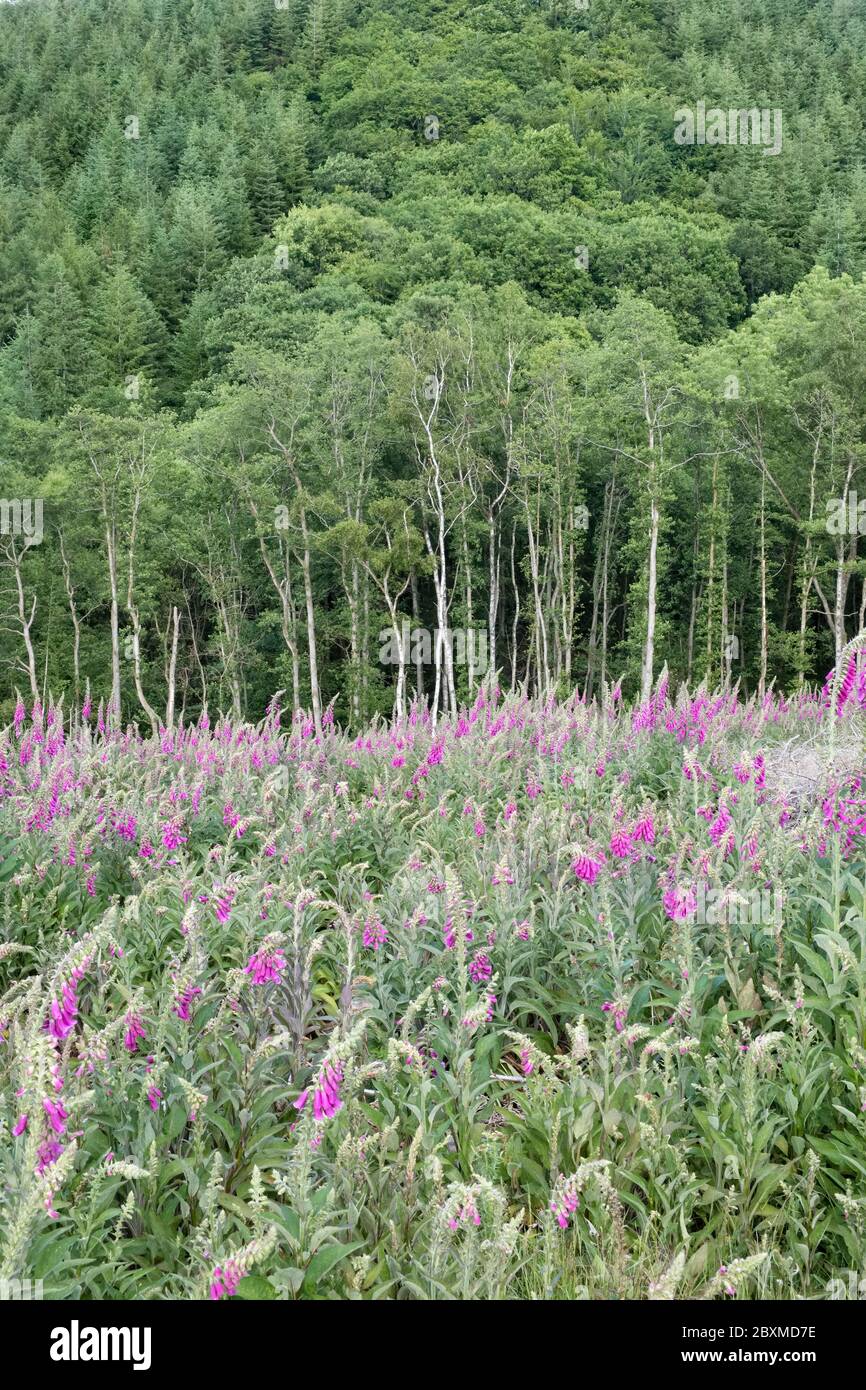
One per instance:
[(124, 329), (267, 198), (61, 354)]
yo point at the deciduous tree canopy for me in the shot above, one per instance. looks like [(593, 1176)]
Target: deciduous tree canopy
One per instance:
[(316, 319)]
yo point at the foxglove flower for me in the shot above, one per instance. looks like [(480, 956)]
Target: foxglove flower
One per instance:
[(847, 683), (327, 1100), (586, 867), (565, 1206), (63, 1012), (480, 968), (134, 1031), (56, 1114), (375, 934), (183, 1001), (47, 1155), (466, 1213), (223, 904), (680, 902), (620, 844), (619, 1012), (225, 1280), (267, 965)]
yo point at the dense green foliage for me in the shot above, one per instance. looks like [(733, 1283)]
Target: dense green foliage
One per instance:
[(239, 280)]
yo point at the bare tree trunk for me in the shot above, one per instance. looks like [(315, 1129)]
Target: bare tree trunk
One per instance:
[(402, 649), (842, 577), (76, 624), (172, 670), (352, 597), (136, 669), (136, 620), (493, 543), (229, 644), (196, 654), (428, 459), (25, 622), (416, 621), (726, 648), (693, 612), (514, 584), (470, 635), (599, 584), (605, 586), (365, 648), (569, 597), (311, 624), (111, 555), (711, 569), (809, 564), (762, 682), (646, 681), (288, 612), (543, 674), (651, 416)]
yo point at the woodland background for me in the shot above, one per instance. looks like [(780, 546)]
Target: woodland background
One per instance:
[(284, 369)]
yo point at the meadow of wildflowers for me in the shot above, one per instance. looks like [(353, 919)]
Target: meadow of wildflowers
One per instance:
[(559, 1000)]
